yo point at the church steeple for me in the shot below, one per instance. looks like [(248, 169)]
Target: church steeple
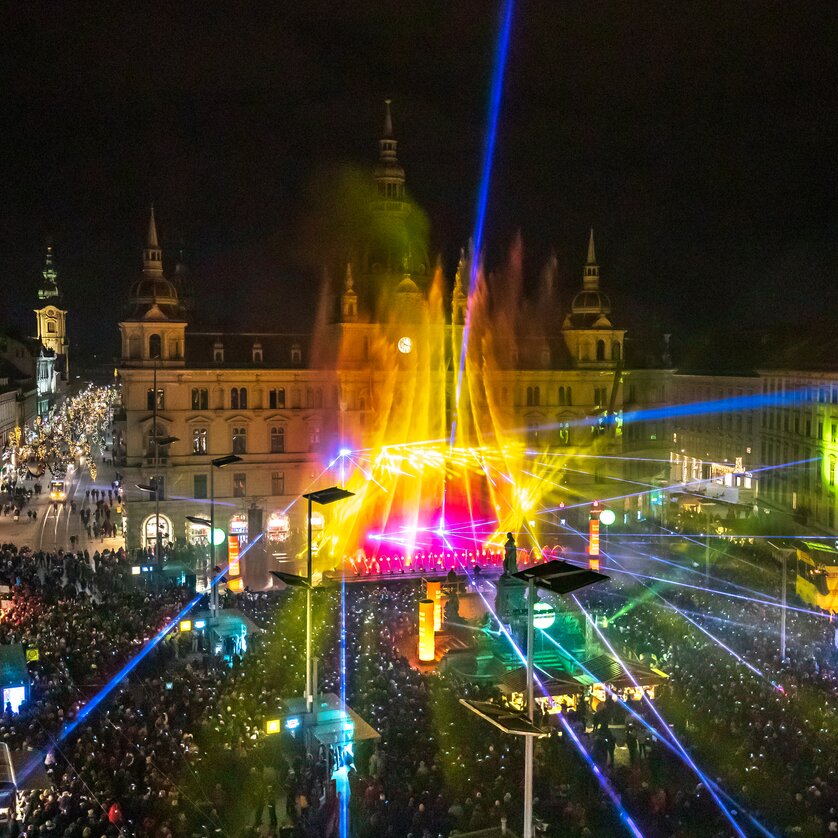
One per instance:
[(349, 300), (152, 254), (590, 278), (389, 175), (49, 286)]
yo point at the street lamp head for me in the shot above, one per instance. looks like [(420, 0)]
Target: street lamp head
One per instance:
[(229, 459), (559, 577), (163, 440), (327, 496), (195, 519), (145, 488)]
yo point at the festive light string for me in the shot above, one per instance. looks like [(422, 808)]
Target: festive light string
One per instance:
[(665, 727)]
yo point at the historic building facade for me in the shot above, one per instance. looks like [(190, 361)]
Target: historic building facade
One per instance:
[(388, 367)]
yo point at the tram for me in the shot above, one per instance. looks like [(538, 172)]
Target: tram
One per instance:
[(817, 574), (58, 490)]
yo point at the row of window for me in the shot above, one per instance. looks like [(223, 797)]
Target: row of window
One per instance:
[(200, 440), (257, 355), (200, 484), (239, 398), (533, 396)]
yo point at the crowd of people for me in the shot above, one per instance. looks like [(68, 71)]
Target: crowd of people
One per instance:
[(182, 747)]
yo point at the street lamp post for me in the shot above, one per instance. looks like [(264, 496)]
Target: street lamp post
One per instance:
[(218, 462), (783, 594), (154, 486), (559, 578), (323, 497)]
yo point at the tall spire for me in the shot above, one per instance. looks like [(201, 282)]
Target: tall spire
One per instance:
[(152, 230), (590, 277), (152, 255), (388, 173), (49, 287), (388, 121), (349, 300)]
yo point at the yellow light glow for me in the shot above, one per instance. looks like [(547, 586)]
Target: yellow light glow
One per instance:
[(186, 625), (427, 639), (273, 725)]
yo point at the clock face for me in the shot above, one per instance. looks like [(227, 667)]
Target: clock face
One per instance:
[(405, 345)]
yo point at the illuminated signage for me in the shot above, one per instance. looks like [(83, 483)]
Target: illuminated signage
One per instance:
[(593, 533), (233, 554), (272, 726), (292, 723), (607, 517), (186, 625)]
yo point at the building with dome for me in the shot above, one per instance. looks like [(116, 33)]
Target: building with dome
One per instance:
[(287, 402)]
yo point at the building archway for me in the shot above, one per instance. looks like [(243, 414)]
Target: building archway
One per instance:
[(150, 534)]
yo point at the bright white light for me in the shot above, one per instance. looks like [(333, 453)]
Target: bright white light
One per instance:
[(345, 452)]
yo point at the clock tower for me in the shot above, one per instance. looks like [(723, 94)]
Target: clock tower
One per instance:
[(52, 319)]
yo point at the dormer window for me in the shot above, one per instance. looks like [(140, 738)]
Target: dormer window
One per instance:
[(257, 353), (218, 352), (296, 354)]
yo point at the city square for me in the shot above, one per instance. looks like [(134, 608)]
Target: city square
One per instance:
[(394, 493)]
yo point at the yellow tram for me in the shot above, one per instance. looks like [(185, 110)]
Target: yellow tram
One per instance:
[(58, 490)]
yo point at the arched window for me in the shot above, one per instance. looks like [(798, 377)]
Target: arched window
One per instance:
[(234, 398), (536, 396), (240, 440), (561, 397), (569, 397), (243, 398), (278, 441), (615, 351), (600, 350), (155, 346)]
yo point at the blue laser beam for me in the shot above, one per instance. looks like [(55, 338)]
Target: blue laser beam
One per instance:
[(495, 91), (96, 700), (653, 730), (675, 740), (603, 781)]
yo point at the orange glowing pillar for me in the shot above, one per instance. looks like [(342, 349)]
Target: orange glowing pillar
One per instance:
[(433, 591), (427, 639), (234, 567)]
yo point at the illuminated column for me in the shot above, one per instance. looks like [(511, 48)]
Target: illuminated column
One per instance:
[(427, 640), (593, 537), (434, 593)]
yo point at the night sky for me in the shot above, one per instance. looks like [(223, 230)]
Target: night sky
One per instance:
[(699, 139)]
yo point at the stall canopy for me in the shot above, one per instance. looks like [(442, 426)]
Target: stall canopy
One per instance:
[(555, 681), (604, 669)]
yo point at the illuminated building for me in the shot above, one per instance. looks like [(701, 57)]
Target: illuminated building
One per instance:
[(52, 364), (448, 436)]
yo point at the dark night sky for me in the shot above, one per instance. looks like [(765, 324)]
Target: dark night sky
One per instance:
[(699, 139)]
